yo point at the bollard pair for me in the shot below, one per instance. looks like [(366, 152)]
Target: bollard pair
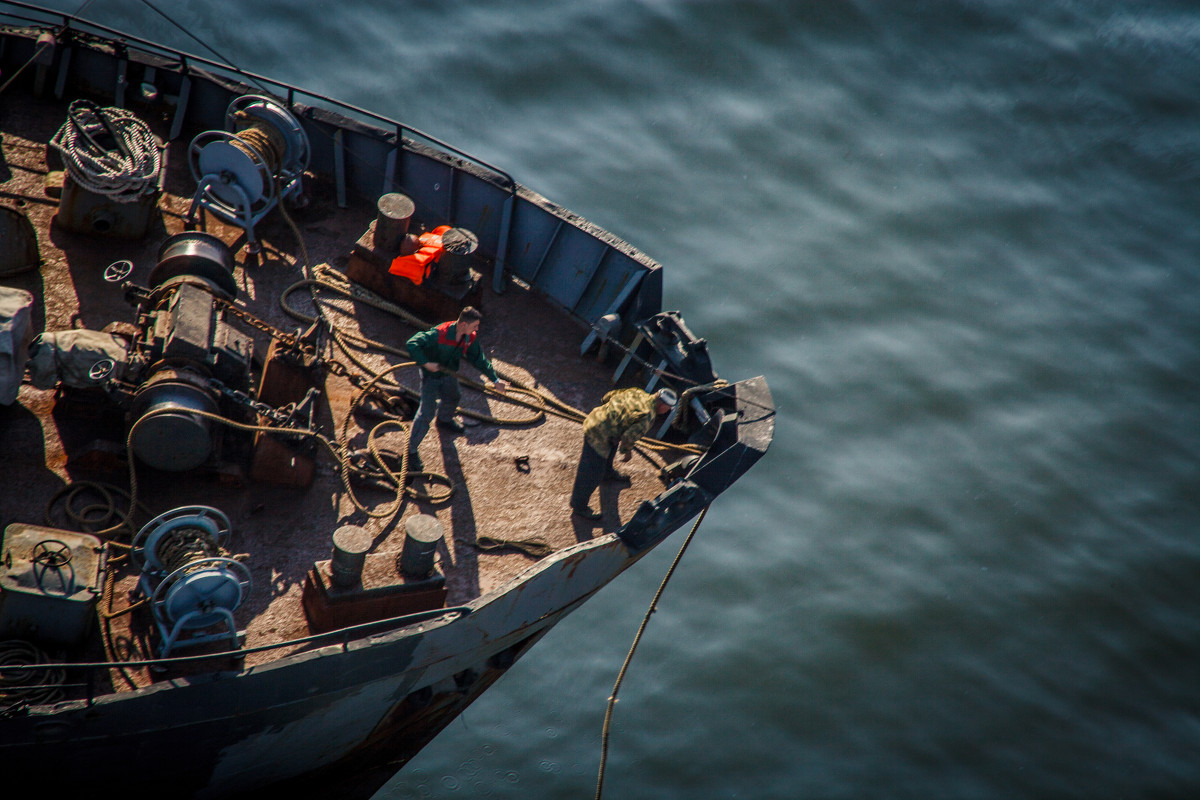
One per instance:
[(351, 543)]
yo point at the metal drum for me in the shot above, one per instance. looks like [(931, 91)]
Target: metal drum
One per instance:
[(199, 255), (460, 245), (20, 251), (422, 534), (167, 435)]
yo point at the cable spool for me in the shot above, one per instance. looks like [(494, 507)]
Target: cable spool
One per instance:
[(242, 172), (200, 595), (159, 547), (199, 586)]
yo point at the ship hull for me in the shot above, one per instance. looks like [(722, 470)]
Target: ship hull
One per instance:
[(332, 713)]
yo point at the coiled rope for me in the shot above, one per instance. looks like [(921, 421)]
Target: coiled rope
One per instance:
[(19, 688), (184, 545), (109, 151), (102, 517), (398, 480), (267, 143)]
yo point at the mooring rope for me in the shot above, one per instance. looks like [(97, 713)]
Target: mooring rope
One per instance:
[(186, 544), (540, 402), (612, 699), (109, 151)]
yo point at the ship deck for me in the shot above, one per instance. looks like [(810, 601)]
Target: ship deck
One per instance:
[(511, 481)]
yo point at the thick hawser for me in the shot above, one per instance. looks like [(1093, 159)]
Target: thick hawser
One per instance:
[(314, 691)]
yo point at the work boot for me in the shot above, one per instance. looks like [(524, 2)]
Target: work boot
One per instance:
[(612, 476), (451, 424), (587, 513)]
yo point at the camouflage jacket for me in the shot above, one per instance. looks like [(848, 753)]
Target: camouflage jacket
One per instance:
[(625, 417)]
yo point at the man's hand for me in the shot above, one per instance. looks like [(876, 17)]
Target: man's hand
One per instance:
[(500, 386), (431, 366)]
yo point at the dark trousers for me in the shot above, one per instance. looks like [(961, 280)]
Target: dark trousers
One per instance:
[(591, 470), (435, 387)]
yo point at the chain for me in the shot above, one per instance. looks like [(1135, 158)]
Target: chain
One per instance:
[(280, 417), (288, 339), (293, 342)]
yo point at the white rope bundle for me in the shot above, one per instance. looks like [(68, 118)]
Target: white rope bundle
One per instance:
[(125, 173)]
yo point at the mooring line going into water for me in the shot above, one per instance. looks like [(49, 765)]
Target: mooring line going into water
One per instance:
[(612, 699)]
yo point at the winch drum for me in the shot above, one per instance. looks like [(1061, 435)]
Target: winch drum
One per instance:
[(242, 173), (199, 255), (167, 434)]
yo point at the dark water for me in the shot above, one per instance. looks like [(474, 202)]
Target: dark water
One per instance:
[(961, 240)]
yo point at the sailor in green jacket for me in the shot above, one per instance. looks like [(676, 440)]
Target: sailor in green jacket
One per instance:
[(625, 416), (438, 352)]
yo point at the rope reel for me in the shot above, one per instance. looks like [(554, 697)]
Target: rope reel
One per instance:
[(157, 546), (193, 587), (244, 171)]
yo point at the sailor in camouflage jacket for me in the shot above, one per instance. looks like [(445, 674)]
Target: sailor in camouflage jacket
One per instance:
[(625, 416)]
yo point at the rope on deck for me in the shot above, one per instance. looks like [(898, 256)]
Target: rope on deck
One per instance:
[(534, 548), (540, 402)]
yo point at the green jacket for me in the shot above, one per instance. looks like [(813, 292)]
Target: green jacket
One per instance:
[(440, 345), (625, 417)]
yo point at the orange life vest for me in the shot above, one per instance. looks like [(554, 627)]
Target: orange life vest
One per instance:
[(417, 266)]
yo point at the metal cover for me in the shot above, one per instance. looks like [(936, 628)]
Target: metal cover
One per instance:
[(20, 251), (83, 211), (49, 582)]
